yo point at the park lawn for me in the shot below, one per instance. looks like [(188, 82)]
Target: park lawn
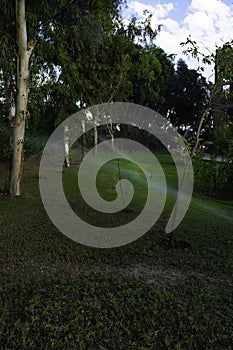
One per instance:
[(58, 294)]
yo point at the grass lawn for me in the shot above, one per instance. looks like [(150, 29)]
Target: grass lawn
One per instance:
[(57, 294)]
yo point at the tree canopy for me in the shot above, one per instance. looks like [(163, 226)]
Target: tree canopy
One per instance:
[(83, 53)]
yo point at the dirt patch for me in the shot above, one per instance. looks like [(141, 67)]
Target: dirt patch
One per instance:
[(160, 276), (146, 273)]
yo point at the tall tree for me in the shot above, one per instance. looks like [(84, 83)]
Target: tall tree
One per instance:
[(223, 98), (186, 97), (219, 104), (151, 73), (57, 18), (24, 53)]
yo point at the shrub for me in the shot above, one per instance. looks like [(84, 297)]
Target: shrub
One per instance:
[(5, 141), (213, 178), (34, 144)]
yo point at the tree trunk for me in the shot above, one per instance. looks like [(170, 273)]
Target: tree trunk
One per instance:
[(113, 143), (66, 145), (10, 99), (84, 151), (24, 53), (217, 94), (110, 130), (95, 135), (11, 112)]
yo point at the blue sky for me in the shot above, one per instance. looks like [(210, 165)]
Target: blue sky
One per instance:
[(210, 23)]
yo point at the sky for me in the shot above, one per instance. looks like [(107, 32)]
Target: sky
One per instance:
[(209, 22)]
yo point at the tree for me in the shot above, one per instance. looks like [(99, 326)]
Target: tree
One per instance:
[(50, 25), (218, 109), (223, 99), (79, 39), (151, 72), (186, 97), (24, 53), (18, 52), (105, 51), (83, 41)]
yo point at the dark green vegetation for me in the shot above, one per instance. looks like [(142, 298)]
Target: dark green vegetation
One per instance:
[(82, 53), (57, 294), (214, 178)]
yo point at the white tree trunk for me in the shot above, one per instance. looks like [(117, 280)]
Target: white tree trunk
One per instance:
[(66, 145), (217, 95), (113, 143), (111, 132), (95, 135), (24, 53), (10, 101), (11, 112), (84, 151)]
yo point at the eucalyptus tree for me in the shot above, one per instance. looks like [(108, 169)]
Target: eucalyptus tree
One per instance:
[(15, 71), (81, 46), (79, 39), (95, 53), (24, 52), (46, 41), (21, 35)]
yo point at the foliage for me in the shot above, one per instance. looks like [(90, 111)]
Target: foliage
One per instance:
[(150, 74), (5, 140), (214, 178), (220, 98), (186, 97), (34, 144), (83, 43), (84, 53), (222, 139)]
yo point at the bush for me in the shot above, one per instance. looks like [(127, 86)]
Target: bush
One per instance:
[(213, 178), (34, 144), (5, 141)]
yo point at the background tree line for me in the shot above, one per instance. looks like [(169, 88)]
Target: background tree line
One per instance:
[(59, 56)]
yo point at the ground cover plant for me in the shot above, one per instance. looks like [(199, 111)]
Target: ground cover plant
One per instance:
[(57, 294)]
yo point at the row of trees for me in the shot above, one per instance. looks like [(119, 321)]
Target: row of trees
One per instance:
[(216, 119), (62, 55)]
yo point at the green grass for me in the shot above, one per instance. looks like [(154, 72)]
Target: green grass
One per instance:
[(57, 294)]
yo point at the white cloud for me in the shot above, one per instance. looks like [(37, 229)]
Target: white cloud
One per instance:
[(212, 20), (214, 8), (208, 21), (200, 24), (158, 11)]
